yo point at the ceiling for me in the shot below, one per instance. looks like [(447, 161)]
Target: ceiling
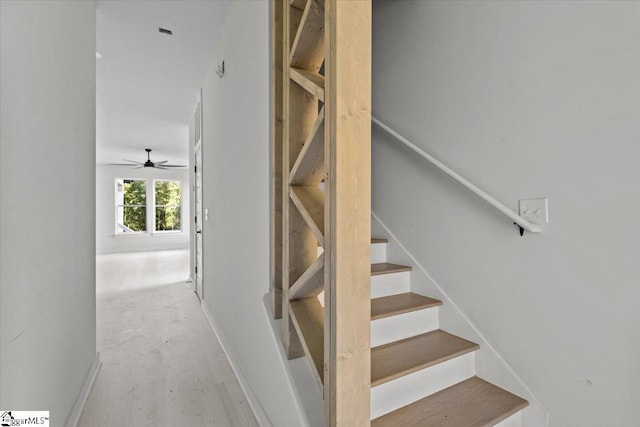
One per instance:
[(147, 82)]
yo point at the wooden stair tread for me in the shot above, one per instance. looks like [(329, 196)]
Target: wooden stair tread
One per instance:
[(400, 303), (470, 403), (399, 358), (388, 268)]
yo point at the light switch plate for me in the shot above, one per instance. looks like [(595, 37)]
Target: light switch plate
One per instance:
[(535, 211), (206, 214)]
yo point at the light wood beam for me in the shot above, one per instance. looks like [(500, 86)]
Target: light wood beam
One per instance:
[(298, 241), (348, 207), (310, 203), (307, 51), (310, 81), (298, 4), (295, 17), (311, 283), (308, 319), (309, 168)]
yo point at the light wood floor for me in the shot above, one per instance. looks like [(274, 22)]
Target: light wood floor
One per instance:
[(161, 363)]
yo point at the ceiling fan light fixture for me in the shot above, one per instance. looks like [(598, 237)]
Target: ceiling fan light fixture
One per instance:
[(148, 163)]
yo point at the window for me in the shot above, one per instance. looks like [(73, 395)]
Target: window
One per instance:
[(131, 206), (167, 196), (163, 199)]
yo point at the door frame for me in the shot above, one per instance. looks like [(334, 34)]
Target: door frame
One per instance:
[(197, 244)]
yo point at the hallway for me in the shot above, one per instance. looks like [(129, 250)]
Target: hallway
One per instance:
[(161, 362)]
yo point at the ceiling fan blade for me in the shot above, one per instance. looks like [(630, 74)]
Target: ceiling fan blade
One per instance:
[(160, 167), (133, 161), (120, 164), (159, 163), (174, 166), (138, 167)]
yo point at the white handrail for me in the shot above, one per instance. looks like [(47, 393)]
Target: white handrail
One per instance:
[(523, 223)]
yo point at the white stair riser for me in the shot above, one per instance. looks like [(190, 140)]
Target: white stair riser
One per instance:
[(514, 420), (404, 325), (407, 389), (384, 285), (378, 252)]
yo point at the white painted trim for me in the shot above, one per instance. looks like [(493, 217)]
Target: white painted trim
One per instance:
[(484, 342), (87, 385), (301, 381), (252, 399)]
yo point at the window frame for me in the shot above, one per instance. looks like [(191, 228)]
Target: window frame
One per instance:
[(117, 230), (155, 206), (150, 198)]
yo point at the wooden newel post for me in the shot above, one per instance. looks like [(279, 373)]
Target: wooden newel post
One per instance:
[(348, 212)]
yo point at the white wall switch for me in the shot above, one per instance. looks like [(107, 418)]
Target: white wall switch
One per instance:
[(206, 214), (535, 211)]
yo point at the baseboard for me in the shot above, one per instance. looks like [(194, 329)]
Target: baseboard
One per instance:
[(540, 414), (303, 382), (87, 385), (254, 403)]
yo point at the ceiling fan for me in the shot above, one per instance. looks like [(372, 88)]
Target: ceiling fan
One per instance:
[(148, 164)]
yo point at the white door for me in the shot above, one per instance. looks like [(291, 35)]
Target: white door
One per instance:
[(197, 195), (198, 219)]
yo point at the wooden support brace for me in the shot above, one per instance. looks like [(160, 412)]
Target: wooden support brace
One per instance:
[(348, 212)]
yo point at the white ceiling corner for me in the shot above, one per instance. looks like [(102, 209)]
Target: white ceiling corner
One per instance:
[(147, 82)]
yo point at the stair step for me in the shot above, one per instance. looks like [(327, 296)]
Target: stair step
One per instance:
[(399, 304), (470, 403), (388, 268), (399, 358)]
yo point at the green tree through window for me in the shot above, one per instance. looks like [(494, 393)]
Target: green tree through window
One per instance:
[(131, 203), (168, 197)]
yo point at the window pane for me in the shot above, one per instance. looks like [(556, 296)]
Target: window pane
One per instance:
[(167, 218), (135, 192), (132, 219), (167, 193), (167, 210), (131, 211)]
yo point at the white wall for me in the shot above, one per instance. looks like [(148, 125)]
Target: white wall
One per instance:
[(236, 193), (106, 239), (47, 214), (526, 99)]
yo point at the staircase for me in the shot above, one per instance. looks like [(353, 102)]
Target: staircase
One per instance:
[(376, 348), (420, 374)]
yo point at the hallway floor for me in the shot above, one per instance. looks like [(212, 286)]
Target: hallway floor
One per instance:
[(161, 363)]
